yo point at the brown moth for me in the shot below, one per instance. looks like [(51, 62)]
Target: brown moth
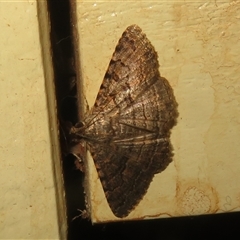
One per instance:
[(127, 130)]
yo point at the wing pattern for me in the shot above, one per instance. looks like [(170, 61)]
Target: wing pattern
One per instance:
[(128, 128)]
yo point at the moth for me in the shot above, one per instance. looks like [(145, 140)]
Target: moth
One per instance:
[(127, 130)]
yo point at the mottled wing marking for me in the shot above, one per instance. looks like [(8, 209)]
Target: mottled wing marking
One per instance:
[(128, 128), (126, 170)]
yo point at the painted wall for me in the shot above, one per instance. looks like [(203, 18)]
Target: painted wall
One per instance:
[(28, 206), (198, 47)]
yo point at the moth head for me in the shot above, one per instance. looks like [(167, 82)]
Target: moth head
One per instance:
[(76, 133), (77, 144), (79, 151)]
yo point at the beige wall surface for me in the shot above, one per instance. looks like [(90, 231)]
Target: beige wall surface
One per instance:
[(198, 43), (27, 191), (198, 47)]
